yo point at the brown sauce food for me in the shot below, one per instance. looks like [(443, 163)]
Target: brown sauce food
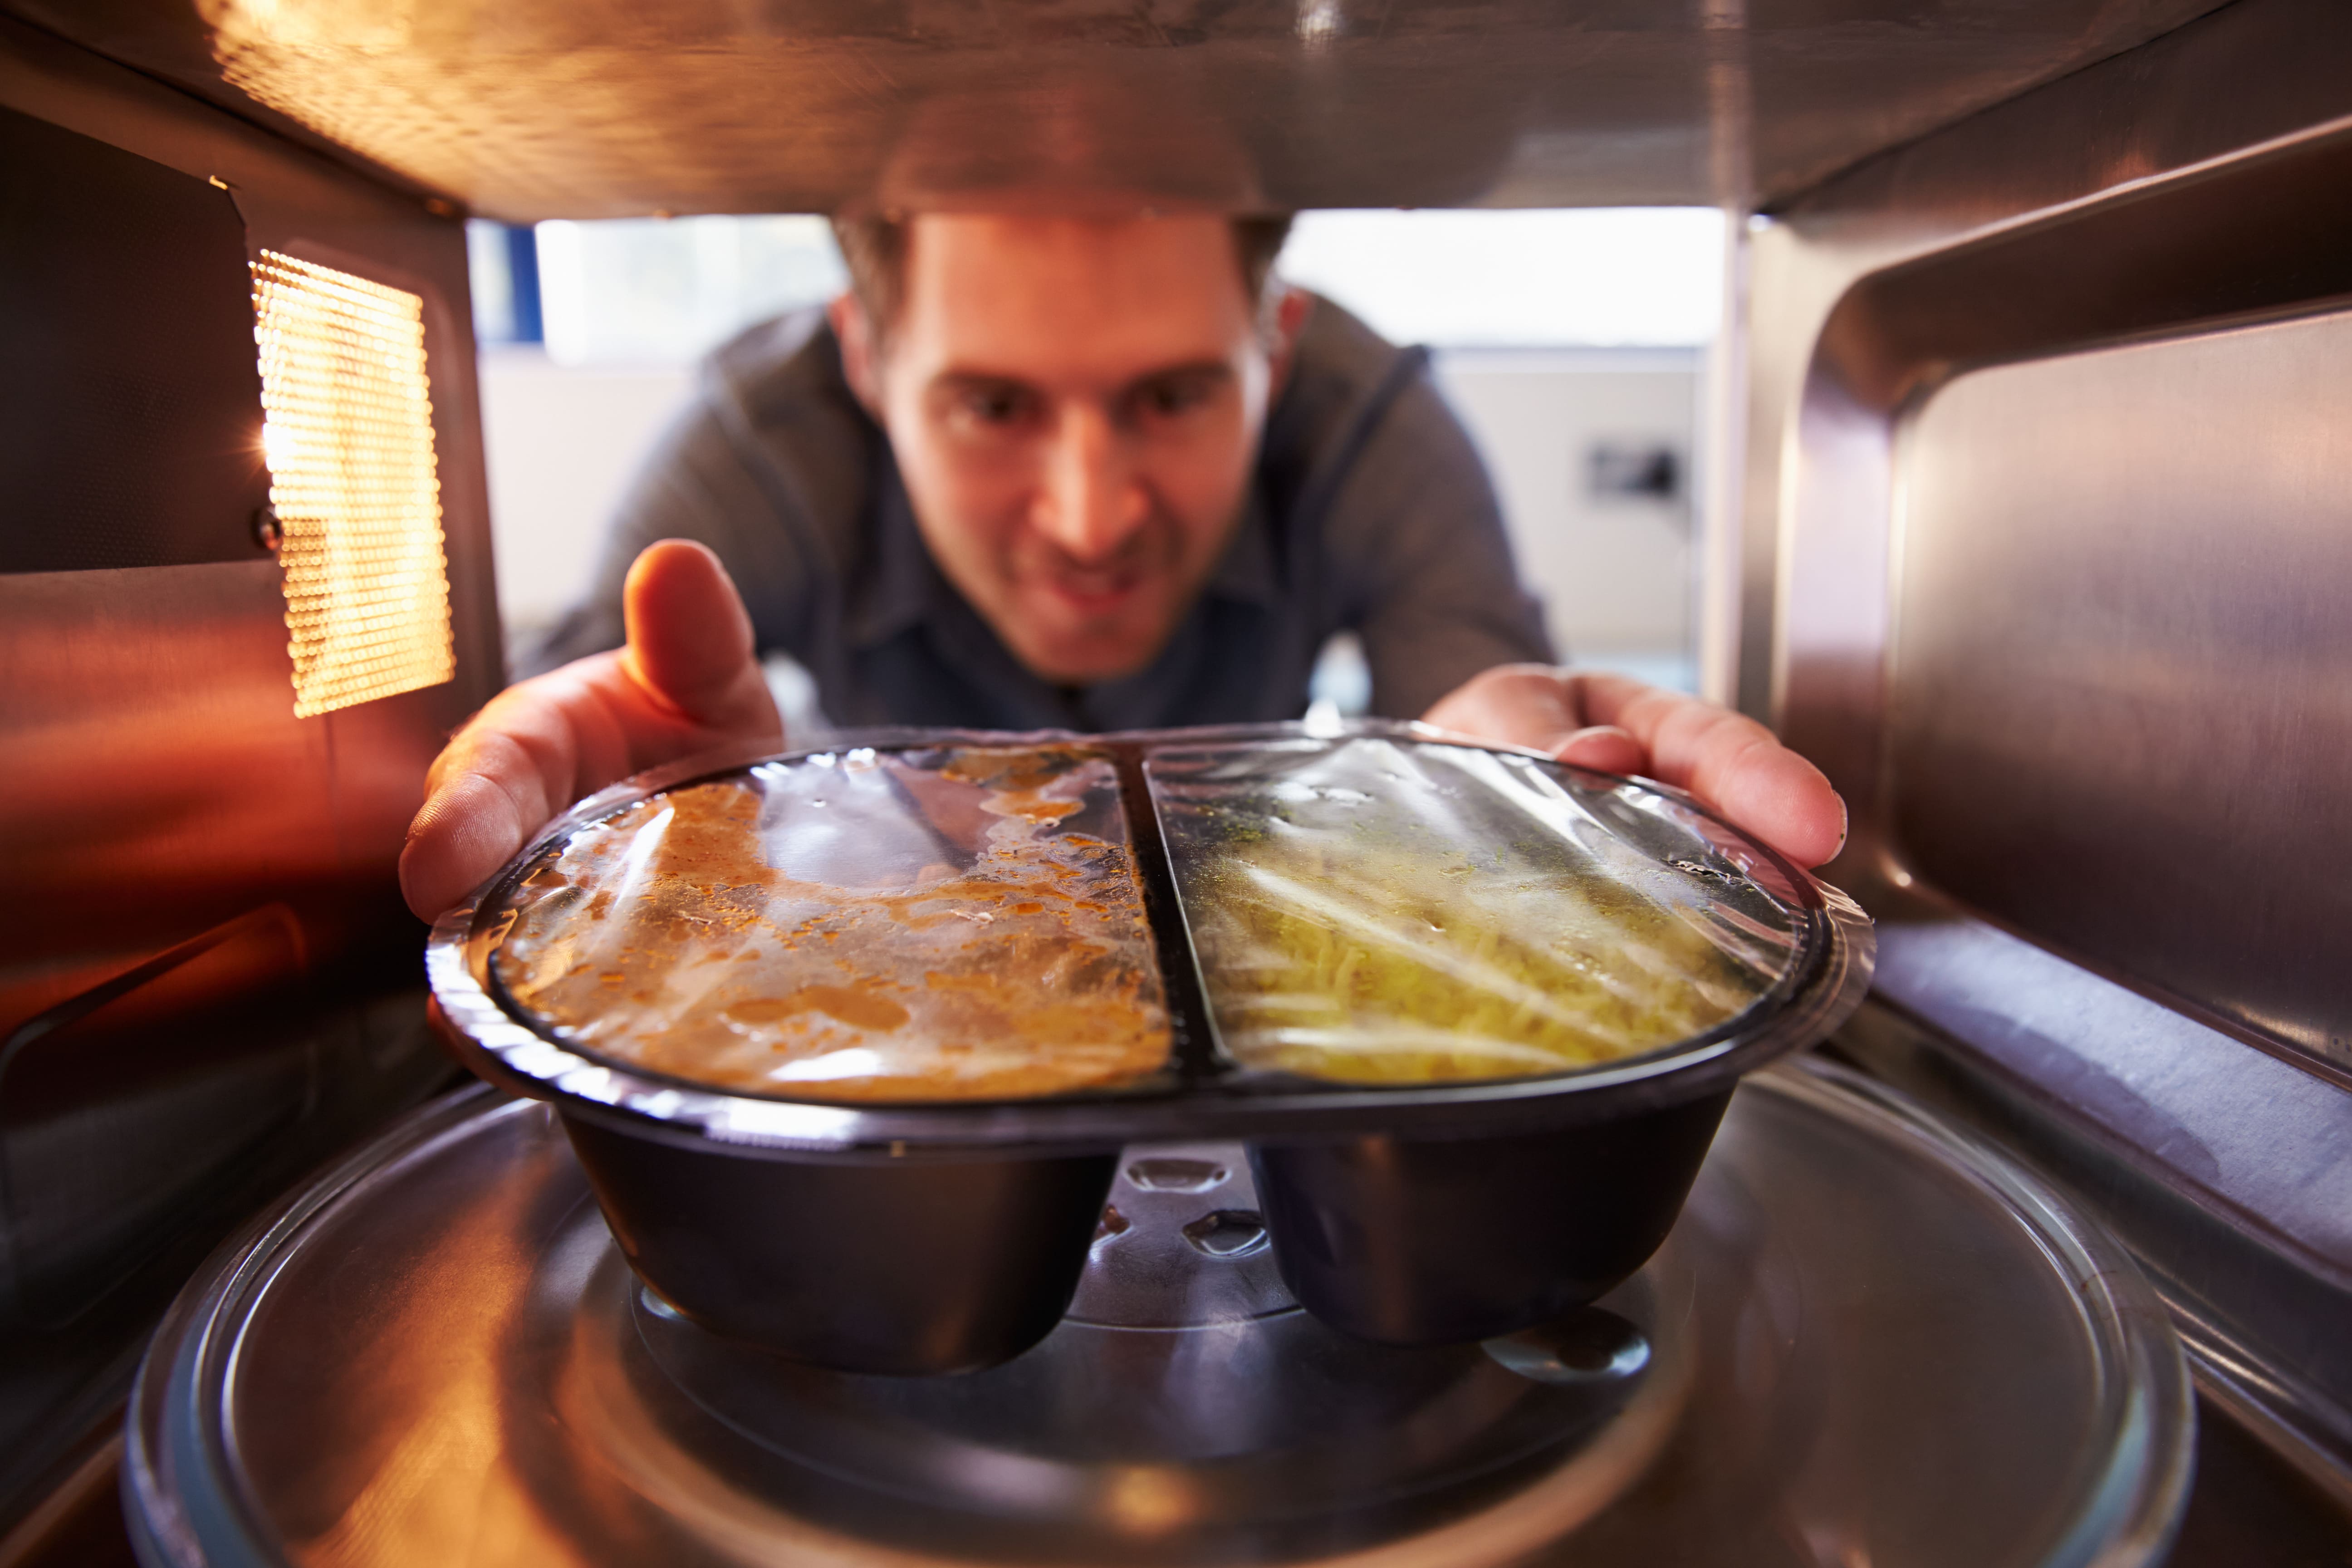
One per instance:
[(681, 936)]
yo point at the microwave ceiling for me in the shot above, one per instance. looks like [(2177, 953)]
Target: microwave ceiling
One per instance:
[(524, 110)]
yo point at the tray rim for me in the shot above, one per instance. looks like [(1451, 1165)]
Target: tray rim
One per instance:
[(490, 1036)]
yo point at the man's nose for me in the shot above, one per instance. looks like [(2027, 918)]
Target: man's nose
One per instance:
[(1092, 499)]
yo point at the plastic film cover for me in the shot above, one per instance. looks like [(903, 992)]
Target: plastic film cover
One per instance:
[(940, 923), (1380, 910)]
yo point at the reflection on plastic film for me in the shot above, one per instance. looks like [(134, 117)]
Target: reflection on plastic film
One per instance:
[(348, 439), (958, 924), (1376, 913)]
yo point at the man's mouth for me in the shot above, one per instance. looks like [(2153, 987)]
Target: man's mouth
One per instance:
[(1095, 592)]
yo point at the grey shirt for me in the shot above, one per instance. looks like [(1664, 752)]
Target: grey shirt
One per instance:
[(1369, 512)]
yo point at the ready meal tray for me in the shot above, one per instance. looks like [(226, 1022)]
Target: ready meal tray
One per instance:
[(830, 1028)]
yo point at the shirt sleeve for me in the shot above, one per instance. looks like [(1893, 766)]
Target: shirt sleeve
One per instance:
[(698, 483), (1416, 536)]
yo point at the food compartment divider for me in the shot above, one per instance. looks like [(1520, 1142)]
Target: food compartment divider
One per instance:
[(940, 1236)]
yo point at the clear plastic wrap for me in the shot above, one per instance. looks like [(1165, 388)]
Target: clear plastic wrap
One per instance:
[(925, 924), (1383, 910), (924, 986), (977, 936)]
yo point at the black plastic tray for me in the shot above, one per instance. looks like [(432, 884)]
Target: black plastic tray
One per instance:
[(924, 1238)]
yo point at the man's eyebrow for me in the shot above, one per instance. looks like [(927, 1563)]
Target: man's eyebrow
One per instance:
[(964, 379), (1208, 369)]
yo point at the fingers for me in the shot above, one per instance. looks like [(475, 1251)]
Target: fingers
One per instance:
[(1513, 704), (1619, 725), (534, 748), (1604, 748), (690, 643), (466, 830), (1727, 760), (687, 682), (1784, 800)]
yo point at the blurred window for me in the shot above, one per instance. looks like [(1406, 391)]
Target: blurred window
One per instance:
[(504, 262), (656, 291), (664, 292), (1600, 278)]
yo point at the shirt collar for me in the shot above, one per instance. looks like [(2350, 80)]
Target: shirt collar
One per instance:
[(1247, 572), (896, 584)]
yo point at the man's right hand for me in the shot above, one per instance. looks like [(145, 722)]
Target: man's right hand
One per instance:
[(686, 682)]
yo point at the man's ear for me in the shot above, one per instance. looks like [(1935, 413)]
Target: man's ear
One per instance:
[(1287, 324), (859, 354)]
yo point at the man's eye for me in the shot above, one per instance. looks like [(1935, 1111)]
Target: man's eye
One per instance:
[(995, 404), (1175, 396)]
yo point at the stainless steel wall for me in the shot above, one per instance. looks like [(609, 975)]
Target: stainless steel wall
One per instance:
[(2118, 698), (2049, 525), (609, 108), (208, 983)]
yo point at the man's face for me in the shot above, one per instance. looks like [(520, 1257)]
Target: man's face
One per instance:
[(1074, 405)]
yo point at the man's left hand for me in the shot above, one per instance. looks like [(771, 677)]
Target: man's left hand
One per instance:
[(1618, 725)]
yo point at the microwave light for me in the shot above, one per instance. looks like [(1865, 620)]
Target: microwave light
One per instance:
[(348, 441)]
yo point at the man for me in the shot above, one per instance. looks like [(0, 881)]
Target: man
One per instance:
[(1060, 472)]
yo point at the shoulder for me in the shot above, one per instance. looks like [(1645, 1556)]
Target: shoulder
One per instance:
[(774, 399), (1339, 369), (780, 370), (1347, 385), (1354, 400)]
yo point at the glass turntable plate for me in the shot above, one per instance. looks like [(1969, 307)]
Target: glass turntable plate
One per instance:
[(1870, 1340)]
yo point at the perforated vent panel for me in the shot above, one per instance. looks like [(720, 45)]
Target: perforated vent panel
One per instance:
[(349, 445)]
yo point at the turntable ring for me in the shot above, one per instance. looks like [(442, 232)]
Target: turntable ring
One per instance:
[(1872, 1340)]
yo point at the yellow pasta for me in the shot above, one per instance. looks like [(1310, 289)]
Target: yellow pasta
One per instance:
[(1369, 958)]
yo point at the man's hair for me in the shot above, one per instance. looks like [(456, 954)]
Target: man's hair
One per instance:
[(874, 248)]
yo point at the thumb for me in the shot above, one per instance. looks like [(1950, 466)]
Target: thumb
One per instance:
[(690, 642)]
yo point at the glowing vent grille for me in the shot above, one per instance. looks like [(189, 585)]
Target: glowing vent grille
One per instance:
[(349, 443)]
